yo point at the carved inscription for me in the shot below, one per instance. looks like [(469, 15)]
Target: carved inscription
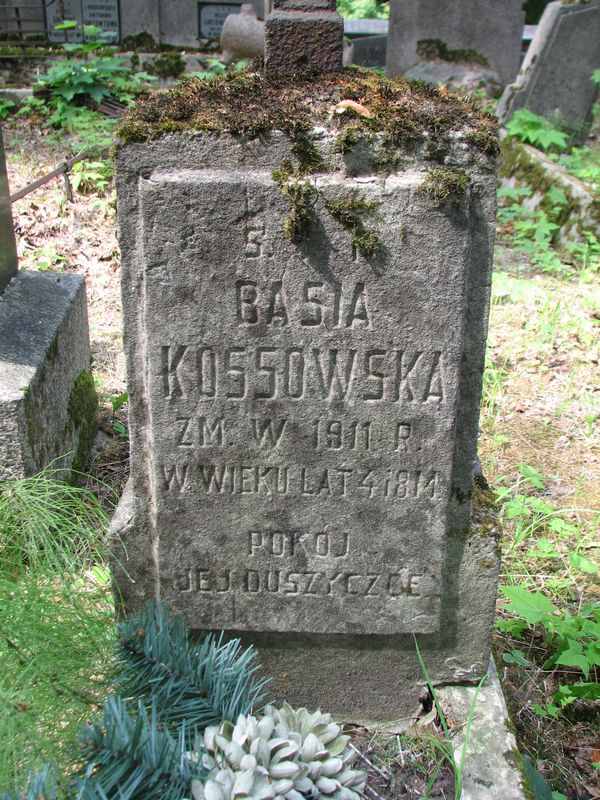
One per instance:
[(368, 375), (316, 304), (288, 582), (285, 545), (344, 435), (298, 429), (391, 485)]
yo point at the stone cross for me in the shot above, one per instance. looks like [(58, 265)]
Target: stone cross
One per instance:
[(8, 248), (304, 34)]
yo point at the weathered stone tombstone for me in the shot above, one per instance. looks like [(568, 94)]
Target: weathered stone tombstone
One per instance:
[(555, 79), (492, 29), (47, 396), (305, 327)]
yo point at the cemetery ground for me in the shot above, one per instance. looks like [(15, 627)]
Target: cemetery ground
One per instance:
[(540, 451)]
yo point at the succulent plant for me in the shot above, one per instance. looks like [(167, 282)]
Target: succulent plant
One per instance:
[(285, 754)]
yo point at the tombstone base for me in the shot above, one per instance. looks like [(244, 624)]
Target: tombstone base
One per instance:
[(47, 396), (366, 679)]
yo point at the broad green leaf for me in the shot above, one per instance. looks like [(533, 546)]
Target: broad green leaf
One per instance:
[(550, 710), (560, 526), (582, 563), (573, 657), (539, 786), (549, 137), (532, 475), (557, 196), (531, 606), (516, 657), (568, 693), (544, 549), (514, 627), (69, 25)]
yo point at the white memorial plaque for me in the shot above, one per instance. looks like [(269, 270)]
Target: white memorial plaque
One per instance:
[(211, 17), (104, 16)]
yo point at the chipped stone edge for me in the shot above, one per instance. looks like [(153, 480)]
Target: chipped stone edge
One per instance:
[(492, 762)]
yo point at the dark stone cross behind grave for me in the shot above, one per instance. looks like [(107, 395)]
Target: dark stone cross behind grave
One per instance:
[(304, 34)]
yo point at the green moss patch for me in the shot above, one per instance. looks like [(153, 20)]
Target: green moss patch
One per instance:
[(167, 65), (445, 182), (431, 49), (302, 195), (250, 103), (81, 409), (350, 212)]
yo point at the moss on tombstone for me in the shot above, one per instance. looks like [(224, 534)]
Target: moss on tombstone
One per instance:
[(445, 182), (144, 42), (348, 139), (430, 49), (81, 417), (350, 211), (301, 194), (308, 156), (167, 65), (249, 103), (516, 162)]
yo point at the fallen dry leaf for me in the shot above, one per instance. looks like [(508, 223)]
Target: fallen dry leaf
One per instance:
[(352, 105)]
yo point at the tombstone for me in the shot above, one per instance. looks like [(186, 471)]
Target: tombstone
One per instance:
[(180, 22), (369, 51), (242, 35), (104, 15), (555, 79), (47, 396), (491, 28), (304, 382)]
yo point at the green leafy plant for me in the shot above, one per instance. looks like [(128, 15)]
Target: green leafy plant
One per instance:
[(534, 231), (91, 176), (573, 640), (6, 107), (538, 131)]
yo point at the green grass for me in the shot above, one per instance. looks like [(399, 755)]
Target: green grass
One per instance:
[(56, 622)]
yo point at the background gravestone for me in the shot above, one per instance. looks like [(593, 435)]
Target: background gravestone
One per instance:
[(555, 79), (47, 396), (492, 28), (304, 335)]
